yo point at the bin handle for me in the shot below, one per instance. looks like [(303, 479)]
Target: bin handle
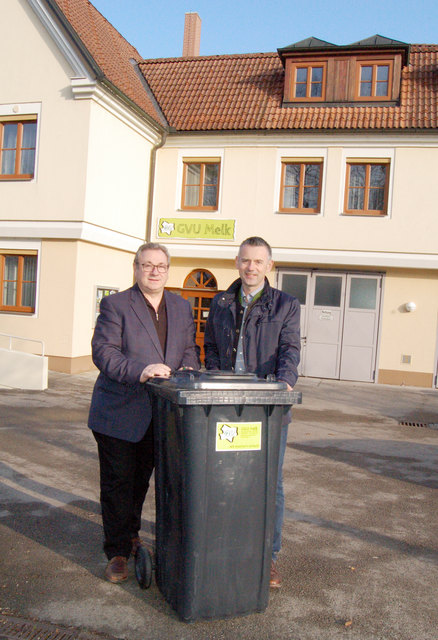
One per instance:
[(218, 374)]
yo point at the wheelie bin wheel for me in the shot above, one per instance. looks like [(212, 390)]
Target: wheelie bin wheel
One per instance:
[(143, 567)]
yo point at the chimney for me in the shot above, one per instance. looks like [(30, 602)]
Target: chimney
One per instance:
[(192, 35)]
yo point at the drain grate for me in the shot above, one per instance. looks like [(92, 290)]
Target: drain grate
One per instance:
[(413, 423), (12, 628)]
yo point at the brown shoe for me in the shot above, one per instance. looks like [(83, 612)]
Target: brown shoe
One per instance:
[(117, 569), (137, 542), (275, 580)]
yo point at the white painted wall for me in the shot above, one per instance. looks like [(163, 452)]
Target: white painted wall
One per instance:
[(117, 174), (95, 266), (250, 179), (91, 181), (409, 333), (37, 73)]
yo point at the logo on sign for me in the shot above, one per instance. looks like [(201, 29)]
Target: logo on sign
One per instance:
[(228, 433), (238, 436), (190, 228)]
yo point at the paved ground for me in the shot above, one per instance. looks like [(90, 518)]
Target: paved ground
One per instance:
[(360, 556)]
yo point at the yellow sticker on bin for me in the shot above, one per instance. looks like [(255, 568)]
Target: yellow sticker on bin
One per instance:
[(238, 436)]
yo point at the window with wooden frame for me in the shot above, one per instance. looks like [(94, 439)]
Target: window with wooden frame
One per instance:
[(17, 148), (366, 186), (308, 81), (374, 80), (18, 282), (300, 189), (200, 190)]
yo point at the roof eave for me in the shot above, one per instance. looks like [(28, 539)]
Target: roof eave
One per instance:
[(133, 105), (96, 69), (53, 5)]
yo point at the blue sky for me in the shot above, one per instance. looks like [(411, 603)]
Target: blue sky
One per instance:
[(248, 26)]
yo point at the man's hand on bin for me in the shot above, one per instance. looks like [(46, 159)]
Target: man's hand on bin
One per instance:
[(159, 370)]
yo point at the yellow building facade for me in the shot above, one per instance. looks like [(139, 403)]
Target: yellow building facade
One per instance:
[(118, 159)]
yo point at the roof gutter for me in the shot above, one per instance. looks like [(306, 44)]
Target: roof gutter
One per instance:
[(139, 111), (158, 145)]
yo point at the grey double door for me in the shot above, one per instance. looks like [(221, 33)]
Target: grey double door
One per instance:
[(339, 322)]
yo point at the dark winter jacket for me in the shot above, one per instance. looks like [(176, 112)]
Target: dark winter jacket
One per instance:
[(271, 333)]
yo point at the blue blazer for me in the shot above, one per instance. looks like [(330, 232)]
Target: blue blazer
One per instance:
[(124, 343)]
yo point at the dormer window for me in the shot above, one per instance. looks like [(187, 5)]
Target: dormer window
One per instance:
[(374, 80), (368, 71), (309, 81)]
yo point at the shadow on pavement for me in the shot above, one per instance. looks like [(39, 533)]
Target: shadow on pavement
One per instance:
[(405, 461), (366, 535)]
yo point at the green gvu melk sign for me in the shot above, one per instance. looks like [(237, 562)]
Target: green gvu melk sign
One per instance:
[(189, 228)]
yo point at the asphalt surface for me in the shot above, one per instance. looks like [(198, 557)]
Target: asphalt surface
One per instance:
[(360, 547)]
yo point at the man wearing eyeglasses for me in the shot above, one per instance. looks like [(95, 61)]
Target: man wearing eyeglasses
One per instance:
[(140, 333)]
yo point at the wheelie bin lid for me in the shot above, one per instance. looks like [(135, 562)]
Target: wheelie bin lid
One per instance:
[(223, 387)]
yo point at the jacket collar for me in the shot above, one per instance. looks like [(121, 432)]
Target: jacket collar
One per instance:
[(229, 296), (173, 320)]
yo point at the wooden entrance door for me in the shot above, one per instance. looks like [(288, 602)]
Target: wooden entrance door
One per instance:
[(200, 287)]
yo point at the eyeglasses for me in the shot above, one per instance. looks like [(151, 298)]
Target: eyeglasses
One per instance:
[(149, 267)]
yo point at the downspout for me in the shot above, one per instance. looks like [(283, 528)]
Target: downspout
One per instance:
[(164, 129), (152, 184)]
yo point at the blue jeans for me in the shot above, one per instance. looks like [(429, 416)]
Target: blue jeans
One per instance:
[(279, 498)]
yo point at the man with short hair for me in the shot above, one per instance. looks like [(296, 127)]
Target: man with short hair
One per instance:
[(256, 328), (140, 333)]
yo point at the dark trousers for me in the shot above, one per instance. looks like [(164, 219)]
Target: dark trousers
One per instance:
[(125, 471)]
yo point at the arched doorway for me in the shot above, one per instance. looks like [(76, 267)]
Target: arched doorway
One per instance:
[(200, 287)]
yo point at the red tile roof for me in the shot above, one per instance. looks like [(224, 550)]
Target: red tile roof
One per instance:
[(110, 51), (241, 92), (245, 92)]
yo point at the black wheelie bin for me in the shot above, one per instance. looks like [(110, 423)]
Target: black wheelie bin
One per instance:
[(217, 438)]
